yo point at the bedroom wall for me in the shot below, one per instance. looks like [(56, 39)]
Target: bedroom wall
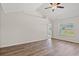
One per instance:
[(58, 33), (0, 21), (20, 28)]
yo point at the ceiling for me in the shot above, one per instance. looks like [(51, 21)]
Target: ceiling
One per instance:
[(11, 7), (29, 8), (70, 9)]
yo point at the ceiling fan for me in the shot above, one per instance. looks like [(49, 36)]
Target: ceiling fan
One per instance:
[(54, 6)]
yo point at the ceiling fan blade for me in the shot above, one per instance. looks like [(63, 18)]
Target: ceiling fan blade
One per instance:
[(58, 3), (55, 3), (51, 3), (47, 7), (60, 7)]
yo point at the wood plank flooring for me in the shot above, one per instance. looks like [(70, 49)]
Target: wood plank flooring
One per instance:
[(52, 47)]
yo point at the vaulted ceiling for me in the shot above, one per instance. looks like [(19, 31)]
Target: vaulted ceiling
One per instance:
[(70, 10), (29, 8), (37, 9)]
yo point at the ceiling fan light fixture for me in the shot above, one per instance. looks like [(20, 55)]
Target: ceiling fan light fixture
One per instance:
[(54, 6)]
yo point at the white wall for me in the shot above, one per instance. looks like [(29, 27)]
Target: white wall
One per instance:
[(0, 21), (57, 33), (20, 28)]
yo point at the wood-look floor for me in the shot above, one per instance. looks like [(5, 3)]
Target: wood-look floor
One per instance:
[(43, 48)]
